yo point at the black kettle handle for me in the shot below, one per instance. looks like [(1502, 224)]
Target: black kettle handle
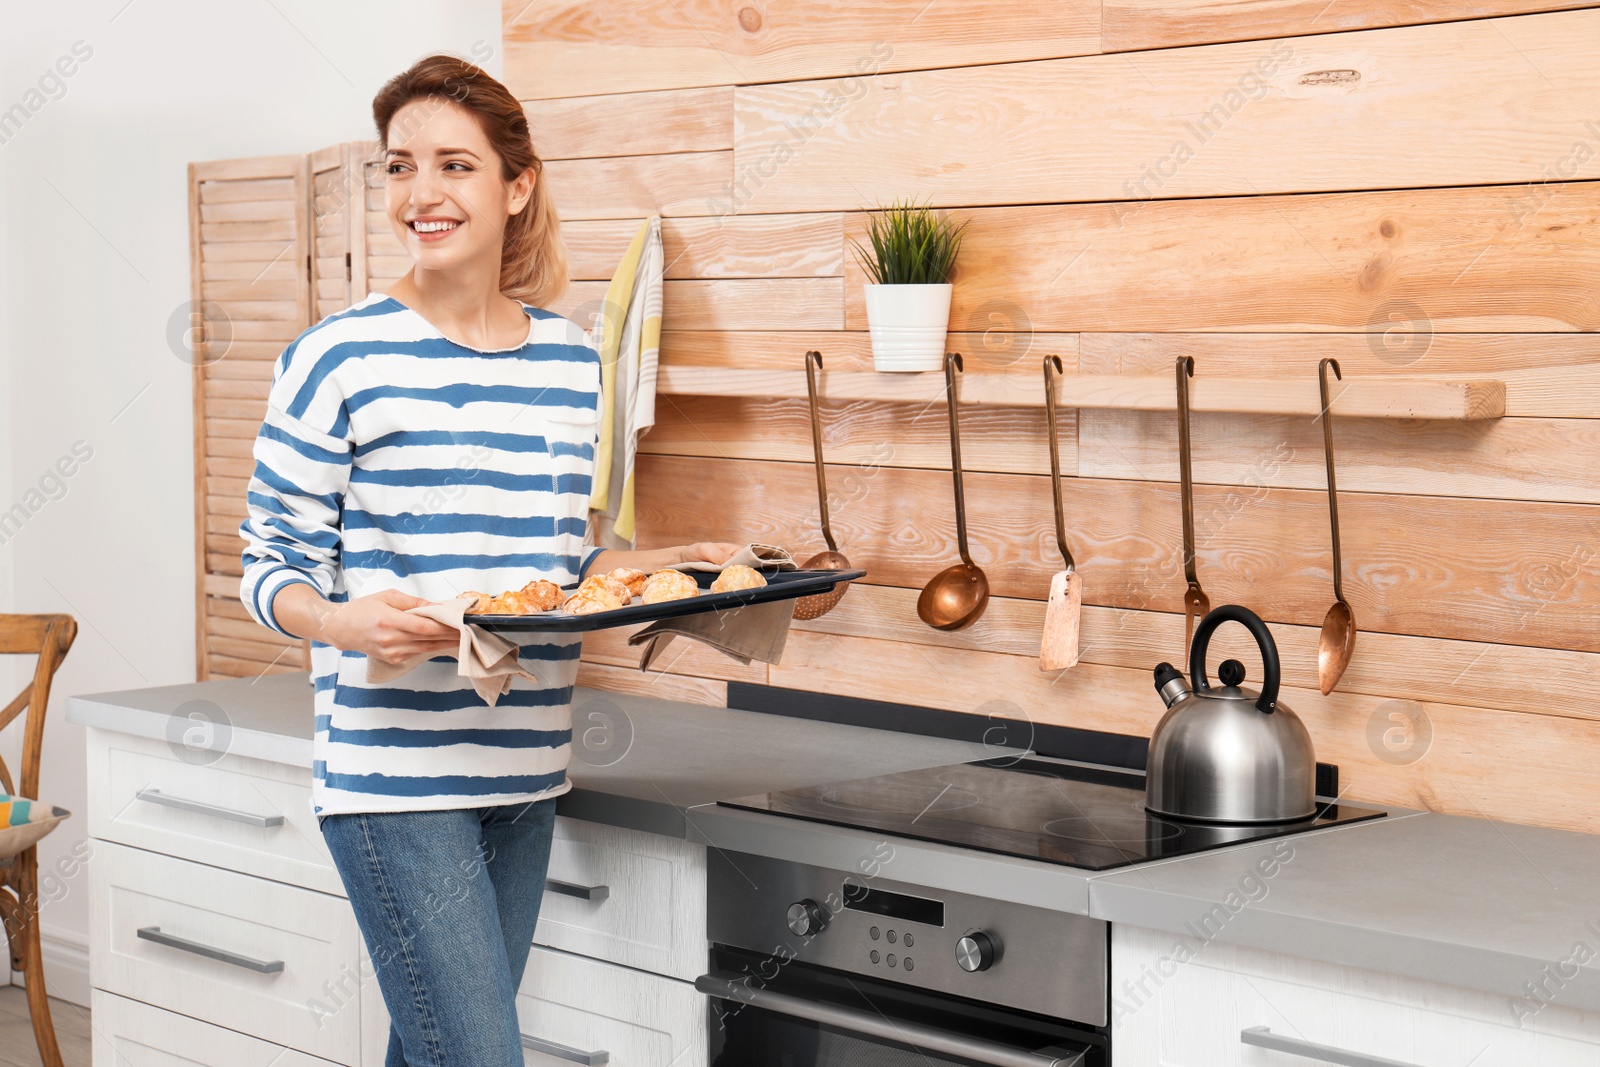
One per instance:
[(1268, 701)]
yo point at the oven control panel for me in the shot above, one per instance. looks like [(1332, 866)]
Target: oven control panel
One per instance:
[(1036, 960)]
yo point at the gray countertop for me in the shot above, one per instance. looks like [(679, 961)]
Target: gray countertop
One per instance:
[(1489, 905), (637, 761), (1492, 906)]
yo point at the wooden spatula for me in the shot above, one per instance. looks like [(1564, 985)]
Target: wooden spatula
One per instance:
[(1058, 648)]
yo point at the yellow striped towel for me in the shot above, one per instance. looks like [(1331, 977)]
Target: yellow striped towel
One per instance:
[(629, 341)]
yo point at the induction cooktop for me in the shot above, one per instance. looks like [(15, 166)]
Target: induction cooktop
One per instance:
[(1060, 812)]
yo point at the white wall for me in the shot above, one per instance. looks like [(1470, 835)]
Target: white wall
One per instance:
[(93, 260), (10, 742)]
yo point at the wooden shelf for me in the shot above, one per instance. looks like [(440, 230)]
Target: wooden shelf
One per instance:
[(1377, 398)]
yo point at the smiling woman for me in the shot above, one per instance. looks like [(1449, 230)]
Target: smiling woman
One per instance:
[(464, 176), (430, 440)]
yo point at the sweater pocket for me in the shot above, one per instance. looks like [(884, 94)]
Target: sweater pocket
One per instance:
[(572, 438)]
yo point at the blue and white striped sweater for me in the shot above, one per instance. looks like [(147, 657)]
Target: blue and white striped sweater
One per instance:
[(393, 458)]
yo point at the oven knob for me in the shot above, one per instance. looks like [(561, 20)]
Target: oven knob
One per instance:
[(975, 952), (807, 918)]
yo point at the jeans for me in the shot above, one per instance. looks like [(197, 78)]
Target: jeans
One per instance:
[(447, 902)]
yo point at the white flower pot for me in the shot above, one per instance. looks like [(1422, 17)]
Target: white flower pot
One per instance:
[(908, 324)]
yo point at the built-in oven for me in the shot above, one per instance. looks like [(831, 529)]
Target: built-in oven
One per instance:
[(815, 967)]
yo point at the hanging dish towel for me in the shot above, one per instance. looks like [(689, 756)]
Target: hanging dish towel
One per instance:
[(754, 633), (628, 337)]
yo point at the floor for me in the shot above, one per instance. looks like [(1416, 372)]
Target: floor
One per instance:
[(17, 1047)]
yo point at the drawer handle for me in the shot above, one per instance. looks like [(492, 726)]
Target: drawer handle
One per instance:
[(1262, 1037), (156, 796), (565, 1052), (595, 893), (153, 933)]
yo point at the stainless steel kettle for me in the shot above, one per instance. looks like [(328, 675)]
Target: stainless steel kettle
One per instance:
[(1229, 755)]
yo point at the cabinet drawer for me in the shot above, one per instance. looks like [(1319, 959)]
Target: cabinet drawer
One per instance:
[(128, 1033), (569, 1005), (244, 814), (1173, 1013), (275, 961), (628, 897)]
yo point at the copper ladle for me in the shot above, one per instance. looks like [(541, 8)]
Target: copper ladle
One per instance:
[(819, 604), (1338, 642), (957, 595), (1196, 605)]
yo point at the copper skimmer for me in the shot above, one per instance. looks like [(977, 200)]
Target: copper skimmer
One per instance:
[(819, 604), (1338, 641), (1196, 605), (957, 595), (1058, 647)]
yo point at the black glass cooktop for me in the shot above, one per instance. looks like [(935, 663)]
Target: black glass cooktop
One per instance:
[(1065, 813)]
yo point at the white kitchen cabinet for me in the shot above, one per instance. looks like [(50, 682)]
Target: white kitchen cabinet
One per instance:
[(242, 952), (128, 1033), (618, 897), (628, 897), (227, 858), (245, 814), (573, 1005), (1180, 1003)]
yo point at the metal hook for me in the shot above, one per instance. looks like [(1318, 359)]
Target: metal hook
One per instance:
[(1052, 370), (1185, 368), (952, 366), (1196, 604), (1327, 454), (813, 364)]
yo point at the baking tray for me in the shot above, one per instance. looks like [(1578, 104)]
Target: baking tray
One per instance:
[(781, 585)]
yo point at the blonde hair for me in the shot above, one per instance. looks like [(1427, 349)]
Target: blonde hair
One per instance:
[(533, 258)]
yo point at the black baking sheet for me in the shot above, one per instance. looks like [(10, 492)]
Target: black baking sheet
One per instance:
[(781, 585)]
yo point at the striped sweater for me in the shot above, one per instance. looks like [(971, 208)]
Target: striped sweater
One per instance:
[(394, 458)]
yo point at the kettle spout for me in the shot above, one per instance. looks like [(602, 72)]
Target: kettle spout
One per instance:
[(1170, 684)]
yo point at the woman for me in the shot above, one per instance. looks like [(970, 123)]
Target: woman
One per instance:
[(432, 440)]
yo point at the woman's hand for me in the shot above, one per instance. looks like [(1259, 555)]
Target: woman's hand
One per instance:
[(376, 625), (655, 559), (717, 552)]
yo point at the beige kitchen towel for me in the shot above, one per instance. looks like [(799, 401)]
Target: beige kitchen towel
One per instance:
[(488, 659), (755, 554), (753, 633)]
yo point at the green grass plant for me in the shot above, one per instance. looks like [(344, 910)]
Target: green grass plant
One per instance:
[(910, 245)]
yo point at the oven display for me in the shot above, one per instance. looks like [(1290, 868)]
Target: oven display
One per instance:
[(894, 905)]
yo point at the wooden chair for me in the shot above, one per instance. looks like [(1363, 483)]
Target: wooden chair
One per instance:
[(49, 637)]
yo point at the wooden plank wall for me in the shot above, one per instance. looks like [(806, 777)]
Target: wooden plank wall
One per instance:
[(1409, 186)]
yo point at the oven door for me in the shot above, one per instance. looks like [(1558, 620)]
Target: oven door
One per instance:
[(767, 1013)]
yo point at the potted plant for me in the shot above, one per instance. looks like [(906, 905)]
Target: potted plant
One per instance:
[(908, 298)]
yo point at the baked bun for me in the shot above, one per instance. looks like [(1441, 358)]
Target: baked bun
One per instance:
[(504, 604), (668, 585), (514, 602), (535, 598), (613, 586), (588, 601), (738, 576), (631, 578), (546, 596)]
